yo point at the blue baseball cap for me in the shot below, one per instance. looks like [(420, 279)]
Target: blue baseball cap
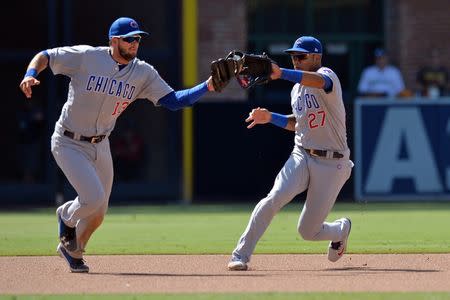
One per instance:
[(306, 44), (124, 27), (379, 52)]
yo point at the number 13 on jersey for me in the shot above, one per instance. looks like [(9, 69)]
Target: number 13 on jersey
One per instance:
[(120, 107)]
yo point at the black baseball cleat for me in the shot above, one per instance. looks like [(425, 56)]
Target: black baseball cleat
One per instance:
[(76, 265), (67, 235)]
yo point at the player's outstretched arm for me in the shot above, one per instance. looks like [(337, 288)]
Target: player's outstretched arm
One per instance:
[(263, 116), (311, 79), (36, 66), (185, 98)]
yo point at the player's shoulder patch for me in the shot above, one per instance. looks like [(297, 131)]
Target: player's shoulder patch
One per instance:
[(325, 70), (328, 72)]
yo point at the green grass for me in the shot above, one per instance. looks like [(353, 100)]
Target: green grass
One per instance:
[(247, 296), (214, 229)]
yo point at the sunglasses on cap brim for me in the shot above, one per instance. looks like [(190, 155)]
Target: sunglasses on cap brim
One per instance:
[(300, 56), (130, 39)]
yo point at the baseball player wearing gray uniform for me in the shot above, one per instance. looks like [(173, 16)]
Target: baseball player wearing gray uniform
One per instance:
[(104, 81), (319, 161)]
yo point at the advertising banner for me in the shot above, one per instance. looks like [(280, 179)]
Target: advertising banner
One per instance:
[(402, 150)]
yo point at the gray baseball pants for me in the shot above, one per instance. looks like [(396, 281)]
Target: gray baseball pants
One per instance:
[(322, 177), (89, 169)]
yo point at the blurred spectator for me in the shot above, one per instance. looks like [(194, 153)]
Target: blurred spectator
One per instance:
[(129, 153), (381, 79), (31, 133), (433, 79)]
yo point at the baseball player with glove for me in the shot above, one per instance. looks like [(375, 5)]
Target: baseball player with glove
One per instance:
[(249, 70), (319, 161), (104, 81)]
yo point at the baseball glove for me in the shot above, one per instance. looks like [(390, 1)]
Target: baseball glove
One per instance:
[(251, 69), (222, 70)]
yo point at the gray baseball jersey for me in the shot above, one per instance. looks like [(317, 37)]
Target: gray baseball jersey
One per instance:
[(320, 125), (98, 91), (320, 116)]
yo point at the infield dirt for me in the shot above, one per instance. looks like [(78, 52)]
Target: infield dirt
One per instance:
[(208, 273)]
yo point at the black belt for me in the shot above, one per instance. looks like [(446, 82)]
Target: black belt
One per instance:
[(324, 153), (90, 139)]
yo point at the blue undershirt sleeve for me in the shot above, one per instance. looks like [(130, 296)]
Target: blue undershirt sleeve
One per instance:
[(291, 75), (328, 84), (180, 99), (297, 75), (45, 52), (279, 120)]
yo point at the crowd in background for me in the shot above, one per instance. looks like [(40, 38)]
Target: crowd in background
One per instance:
[(384, 80)]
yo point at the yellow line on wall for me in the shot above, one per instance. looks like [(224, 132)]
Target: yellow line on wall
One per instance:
[(189, 42), (189, 33)]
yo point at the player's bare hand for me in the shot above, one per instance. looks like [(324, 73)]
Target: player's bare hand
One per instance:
[(258, 116), (276, 72), (210, 84), (26, 85)]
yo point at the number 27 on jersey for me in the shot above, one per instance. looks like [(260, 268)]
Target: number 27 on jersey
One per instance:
[(316, 118)]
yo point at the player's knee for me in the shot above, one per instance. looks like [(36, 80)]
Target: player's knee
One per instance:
[(96, 198), (307, 233), (97, 220)]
